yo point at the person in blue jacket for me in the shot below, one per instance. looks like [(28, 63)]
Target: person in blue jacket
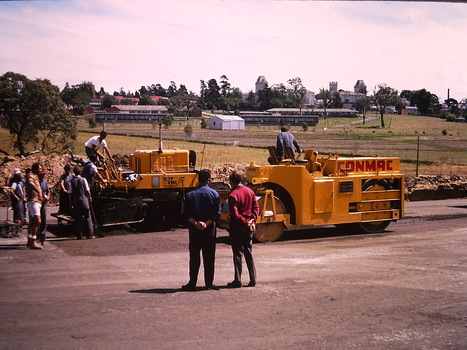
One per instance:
[(202, 209)]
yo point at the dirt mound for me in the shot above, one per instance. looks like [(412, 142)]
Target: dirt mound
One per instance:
[(221, 172), (431, 187), (53, 164)]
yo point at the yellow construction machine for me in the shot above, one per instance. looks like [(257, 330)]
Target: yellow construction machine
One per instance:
[(358, 193), (153, 189)]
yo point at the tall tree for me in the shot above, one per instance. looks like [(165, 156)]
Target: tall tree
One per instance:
[(463, 107), (326, 97), (385, 96), (143, 91), (109, 100), (78, 96), (264, 98), (435, 105), (34, 113), (145, 100), (336, 101), (157, 90), (298, 91), (212, 94), (225, 86), (363, 105), (453, 106), (172, 90), (182, 90), (422, 99), (182, 105)]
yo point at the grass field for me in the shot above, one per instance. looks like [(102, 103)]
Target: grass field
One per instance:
[(442, 145)]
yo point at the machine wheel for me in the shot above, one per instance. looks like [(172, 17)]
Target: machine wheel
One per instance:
[(269, 232), (374, 227), (377, 226)]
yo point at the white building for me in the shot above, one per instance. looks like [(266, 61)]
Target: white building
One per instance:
[(226, 122)]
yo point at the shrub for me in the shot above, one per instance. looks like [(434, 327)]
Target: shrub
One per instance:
[(92, 121), (188, 130)]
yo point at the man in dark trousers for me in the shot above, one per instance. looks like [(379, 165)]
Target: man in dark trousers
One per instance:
[(244, 210), (42, 233), (286, 139), (80, 202), (202, 210)]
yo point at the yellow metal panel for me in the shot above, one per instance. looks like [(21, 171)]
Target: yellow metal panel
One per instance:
[(324, 196)]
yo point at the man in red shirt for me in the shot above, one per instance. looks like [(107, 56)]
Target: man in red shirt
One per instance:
[(243, 209)]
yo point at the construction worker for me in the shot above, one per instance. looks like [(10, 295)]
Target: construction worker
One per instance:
[(80, 196), (286, 139), (94, 143), (35, 198)]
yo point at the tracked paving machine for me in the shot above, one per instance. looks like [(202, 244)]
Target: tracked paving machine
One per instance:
[(152, 189), (364, 193)]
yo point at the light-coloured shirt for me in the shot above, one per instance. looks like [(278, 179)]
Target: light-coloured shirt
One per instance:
[(33, 188), (95, 141)]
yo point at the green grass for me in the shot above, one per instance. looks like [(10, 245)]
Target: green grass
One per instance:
[(398, 139)]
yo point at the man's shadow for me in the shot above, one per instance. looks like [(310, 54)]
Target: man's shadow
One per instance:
[(174, 290)]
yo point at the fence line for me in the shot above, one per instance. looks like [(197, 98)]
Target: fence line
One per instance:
[(446, 169)]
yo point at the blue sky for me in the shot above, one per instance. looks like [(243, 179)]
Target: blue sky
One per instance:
[(127, 44)]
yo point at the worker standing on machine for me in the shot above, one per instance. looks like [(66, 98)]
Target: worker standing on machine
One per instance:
[(93, 145)]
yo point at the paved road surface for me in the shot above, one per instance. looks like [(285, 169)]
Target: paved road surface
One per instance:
[(402, 289)]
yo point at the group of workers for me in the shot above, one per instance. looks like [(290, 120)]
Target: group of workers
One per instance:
[(29, 194)]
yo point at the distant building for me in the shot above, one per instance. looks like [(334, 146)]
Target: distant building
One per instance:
[(294, 113), (133, 99), (261, 83), (310, 98), (226, 122), (275, 115), (348, 98), (360, 87), (409, 110), (128, 113), (333, 87)]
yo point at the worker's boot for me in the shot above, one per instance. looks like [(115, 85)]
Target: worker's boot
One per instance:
[(32, 244)]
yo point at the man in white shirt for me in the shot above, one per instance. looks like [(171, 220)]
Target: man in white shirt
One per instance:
[(94, 143)]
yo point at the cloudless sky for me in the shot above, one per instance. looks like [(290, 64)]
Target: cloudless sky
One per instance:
[(128, 44)]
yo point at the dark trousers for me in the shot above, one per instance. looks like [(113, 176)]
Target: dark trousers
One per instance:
[(202, 241), (64, 204), (18, 207), (241, 239), (41, 234), (82, 217), (89, 152)]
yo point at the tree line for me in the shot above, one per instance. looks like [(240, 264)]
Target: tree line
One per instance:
[(36, 111)]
